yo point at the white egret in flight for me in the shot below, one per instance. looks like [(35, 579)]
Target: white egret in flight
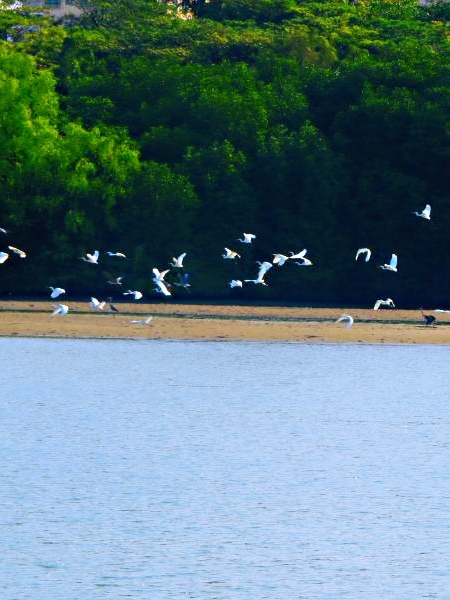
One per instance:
[(392, 266), (21, 253), (95, 305), (60, 309), (91, 258), (263, 268), (56, 291), (425, 214), (178, 261), (161, 287), (145, 321), (159, 275), (235, 283), (280, 259), (137, 295), (366, 251), (231, 254), (118, 254), (3, 230), (388, 302), (247, 239), (347, 319), (301, 255)]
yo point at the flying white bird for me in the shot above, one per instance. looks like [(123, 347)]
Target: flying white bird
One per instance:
[(56, 291), (159, 275), (392, 266), (247, 239), (441, 310), (21, 253), (114, 280), (306, 263), (178, 261), (161, 287), (366, 251), (263, 268), (300, 255), (91, 258), (425, 214), (183, 281), (60, 309), (3, 256), (135, 293), (235, 283), (3, 230), (388, 302), (280, 259), (95, 305), (142, 321), (118, 254), (230, 254), (347, 319)]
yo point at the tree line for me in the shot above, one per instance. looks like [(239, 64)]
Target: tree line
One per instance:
[(321, 125)]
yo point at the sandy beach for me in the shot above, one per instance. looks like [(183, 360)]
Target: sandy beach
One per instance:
[(218, 322)]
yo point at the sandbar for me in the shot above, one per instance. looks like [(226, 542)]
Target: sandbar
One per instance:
[(223, 322)]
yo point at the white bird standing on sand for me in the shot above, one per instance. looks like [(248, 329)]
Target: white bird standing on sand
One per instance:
[(263, 268), (56, 291), (178, 261), (91, 258), (142, 321), (161, 287), (135, 293), (388, 302), (392, 266), (235, 283), (21, 253), (280, 259), (60, 309), (231, 254), (3, 256), (366, 251), (95, 305), (347, 319), (118, 254), (247, 239), (425, 214)]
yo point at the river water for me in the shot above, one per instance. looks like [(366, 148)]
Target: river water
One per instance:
[(173, 470)]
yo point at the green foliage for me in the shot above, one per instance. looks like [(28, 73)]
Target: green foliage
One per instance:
[(313, 124)]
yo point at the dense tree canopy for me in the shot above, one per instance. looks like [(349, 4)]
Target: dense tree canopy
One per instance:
[(319, 125)]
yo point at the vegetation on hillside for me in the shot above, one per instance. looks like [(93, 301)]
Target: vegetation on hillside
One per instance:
[(319, 125)]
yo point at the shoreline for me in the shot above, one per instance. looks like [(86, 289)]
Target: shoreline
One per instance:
[(222, 323)]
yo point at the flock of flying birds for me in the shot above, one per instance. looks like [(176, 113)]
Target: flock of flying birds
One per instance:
[(163, 287)]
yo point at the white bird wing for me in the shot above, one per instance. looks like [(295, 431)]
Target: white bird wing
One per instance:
[(377, 304), (347, 319), (21, 253), (181, 258), (299, 254), (264, 267), (3, 256), (393, 262), (162, 288), (95, 255)]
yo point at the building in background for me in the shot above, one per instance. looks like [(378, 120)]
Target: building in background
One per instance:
[(57, 8)]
